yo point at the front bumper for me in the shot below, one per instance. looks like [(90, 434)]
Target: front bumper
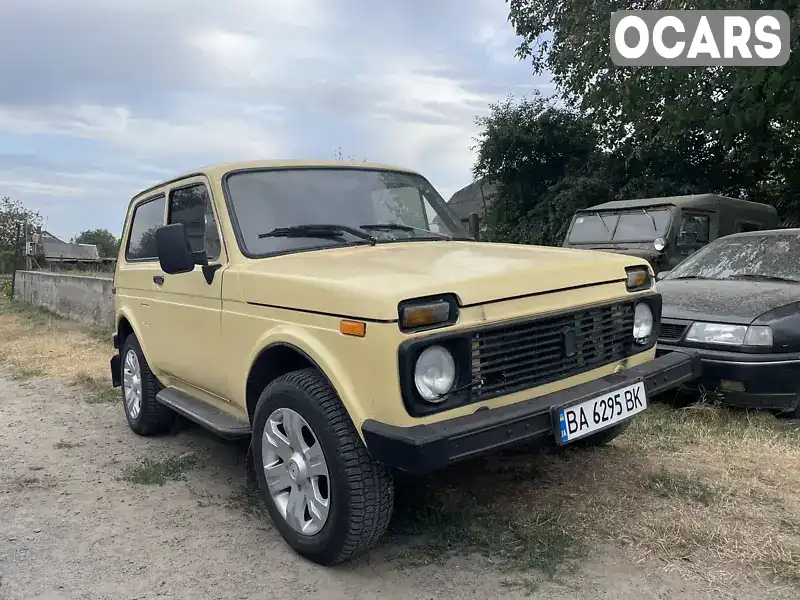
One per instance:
[(770, 381), (426, 448)]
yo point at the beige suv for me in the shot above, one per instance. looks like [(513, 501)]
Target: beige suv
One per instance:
[(341, 317)]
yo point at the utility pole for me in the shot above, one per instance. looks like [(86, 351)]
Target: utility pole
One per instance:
[(16, 258)]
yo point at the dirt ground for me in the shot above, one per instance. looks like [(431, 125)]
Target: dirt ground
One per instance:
[(88, 510)]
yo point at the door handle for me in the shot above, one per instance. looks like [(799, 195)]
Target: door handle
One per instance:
[(158, 279)]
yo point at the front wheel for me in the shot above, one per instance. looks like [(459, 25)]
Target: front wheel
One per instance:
[(326, 496)]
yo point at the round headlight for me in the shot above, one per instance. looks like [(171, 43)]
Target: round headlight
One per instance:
[(642, 323), (659, 244), (434, 373)]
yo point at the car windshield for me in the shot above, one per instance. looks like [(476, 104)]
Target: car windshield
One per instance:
[(390, 206), (642, 225), (774, 257)]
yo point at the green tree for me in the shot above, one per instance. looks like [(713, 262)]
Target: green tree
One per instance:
[(11, 213), (735, 130), (545, 163), (107, 244)]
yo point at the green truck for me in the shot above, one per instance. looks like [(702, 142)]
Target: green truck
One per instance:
[(664, 231)]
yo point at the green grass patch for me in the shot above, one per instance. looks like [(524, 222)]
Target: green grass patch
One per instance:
[(97, 392), (432, 532), (25, 374), (683, 485), (158, 472), (248, 501), (65, 445)]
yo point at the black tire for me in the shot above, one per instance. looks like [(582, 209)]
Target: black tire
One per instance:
[(153, 418), (361, 491)]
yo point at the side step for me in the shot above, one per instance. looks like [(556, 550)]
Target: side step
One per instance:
[(218, 421)]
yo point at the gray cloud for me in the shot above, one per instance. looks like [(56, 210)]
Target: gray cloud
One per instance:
[(134, 90)]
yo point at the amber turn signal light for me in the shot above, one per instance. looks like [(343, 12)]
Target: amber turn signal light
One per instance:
[(425, 314), (638, 278), (354, 328)]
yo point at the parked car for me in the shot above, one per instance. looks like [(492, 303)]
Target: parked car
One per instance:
[(736, 304), (312, 308), (664, 231)]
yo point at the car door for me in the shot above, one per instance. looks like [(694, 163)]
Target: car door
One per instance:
[(694, 233), (190, 304), (134, 285)]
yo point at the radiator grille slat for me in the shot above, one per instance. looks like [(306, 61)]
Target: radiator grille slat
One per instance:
[(511, 358), (672, 331)]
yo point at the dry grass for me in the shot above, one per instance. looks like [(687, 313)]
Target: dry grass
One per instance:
[(708, 492), (36, 343)]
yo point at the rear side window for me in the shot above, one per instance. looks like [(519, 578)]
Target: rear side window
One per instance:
[(147, 217), (192, 207), (743, 226)]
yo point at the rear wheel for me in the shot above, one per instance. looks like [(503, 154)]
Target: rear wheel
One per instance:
[(326, 496), (145, 414)]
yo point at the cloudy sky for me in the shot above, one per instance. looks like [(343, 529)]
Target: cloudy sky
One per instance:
[(100, 98)]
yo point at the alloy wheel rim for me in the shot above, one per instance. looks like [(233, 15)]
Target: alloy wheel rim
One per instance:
[(296, 471), (132, 384)]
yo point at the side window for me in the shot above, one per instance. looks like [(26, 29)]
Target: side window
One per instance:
[(695, 229), (192, 207), (430, 215), (743, 226), (147, 217)]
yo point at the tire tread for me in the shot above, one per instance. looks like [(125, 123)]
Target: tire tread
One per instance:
[(370, 484), (154, 418)]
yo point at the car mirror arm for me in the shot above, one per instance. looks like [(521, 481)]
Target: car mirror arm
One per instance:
[(209, 270)]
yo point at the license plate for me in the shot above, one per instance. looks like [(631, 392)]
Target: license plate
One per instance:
[(586, 418)]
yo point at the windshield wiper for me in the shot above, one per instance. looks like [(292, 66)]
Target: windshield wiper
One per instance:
[(652, 220), (688, 277), (755, 276), (400, 227), (318, 231)]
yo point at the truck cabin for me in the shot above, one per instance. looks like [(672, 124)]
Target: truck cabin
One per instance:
[(664, 231)]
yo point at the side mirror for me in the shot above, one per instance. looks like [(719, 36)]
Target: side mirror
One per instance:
[(474, 226), (661, 274), (174, 251)]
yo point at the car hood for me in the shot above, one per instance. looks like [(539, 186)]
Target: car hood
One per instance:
[(638, 250), (728, 301), (369, 281)]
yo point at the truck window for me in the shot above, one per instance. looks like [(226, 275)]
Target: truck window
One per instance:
[(192, 206), (147, 217), (744, 226), (695, 230), (640, 225)]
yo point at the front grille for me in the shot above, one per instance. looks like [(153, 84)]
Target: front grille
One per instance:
[(519, 356), (671, 332)]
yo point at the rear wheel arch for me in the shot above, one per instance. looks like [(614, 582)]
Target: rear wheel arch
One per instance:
[(124, 329)]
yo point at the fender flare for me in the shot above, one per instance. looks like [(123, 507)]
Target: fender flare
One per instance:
[(322, 359), (124, 314)]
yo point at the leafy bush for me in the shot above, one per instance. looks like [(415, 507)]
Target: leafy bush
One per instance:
[(5, 287)]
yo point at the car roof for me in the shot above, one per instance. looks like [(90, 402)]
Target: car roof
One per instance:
[(217, 170), (687, 200), (762, 233)]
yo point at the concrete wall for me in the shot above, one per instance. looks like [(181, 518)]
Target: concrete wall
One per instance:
[(84, 299)]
